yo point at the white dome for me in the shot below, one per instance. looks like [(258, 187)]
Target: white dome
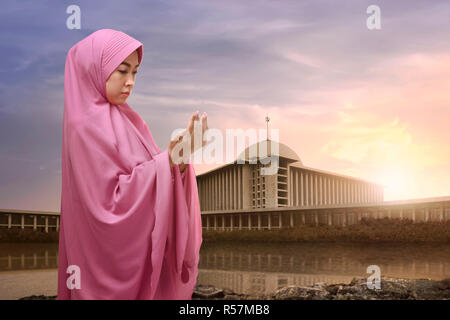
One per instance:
[(252, 152)]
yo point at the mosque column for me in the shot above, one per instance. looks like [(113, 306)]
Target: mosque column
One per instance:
[(328, 190), (302, 190), (239, 178), (352, 192), (235, 206), (204, 195), (333, 191), (233, 189), (216, 191), (347, 192), (344, 192), (222, 190), (219, 192), (310, 189), (307, 186), (227, 193), (320, 187), (361, 199), (211, 193), (207, 193), (340, 191), (315, 200), (227, 190), (344, 186), (292, 196)]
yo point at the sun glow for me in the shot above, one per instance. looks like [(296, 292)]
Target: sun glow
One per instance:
[(396, 181)]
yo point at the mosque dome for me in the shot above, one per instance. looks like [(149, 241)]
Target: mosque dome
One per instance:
[(267, 146)]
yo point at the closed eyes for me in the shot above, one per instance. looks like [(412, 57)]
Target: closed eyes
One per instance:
[(125, 72)]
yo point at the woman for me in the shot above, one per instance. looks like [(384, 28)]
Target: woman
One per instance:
[(130, 220)]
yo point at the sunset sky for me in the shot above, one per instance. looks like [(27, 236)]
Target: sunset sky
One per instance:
[(373, 104)]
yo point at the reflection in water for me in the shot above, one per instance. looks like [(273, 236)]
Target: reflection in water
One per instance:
[(264, 268), (253, 268), (27, 256)]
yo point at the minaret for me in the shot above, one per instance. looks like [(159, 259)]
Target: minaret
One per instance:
[(267, 125)]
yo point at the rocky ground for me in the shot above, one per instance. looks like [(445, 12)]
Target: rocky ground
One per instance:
[(391, 289)]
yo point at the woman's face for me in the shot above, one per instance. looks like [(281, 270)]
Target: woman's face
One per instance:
[(122, 80)]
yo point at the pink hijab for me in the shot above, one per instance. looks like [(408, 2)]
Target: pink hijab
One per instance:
[(129, 222)]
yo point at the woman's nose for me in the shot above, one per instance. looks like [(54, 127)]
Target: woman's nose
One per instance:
[(130, 81)]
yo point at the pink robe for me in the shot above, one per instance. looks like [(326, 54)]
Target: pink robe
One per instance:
[(128, 221)]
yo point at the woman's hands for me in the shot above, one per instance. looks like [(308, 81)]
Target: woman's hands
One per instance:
[(190, 128), (172, 145), (193, 135)]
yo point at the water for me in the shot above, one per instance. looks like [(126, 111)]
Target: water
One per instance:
[(250, 268)]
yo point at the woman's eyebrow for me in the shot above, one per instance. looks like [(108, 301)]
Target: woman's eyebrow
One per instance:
[(127, 64)]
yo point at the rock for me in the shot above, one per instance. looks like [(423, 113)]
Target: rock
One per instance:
[(207, 292), (40, 297), (443, 284), (358, 281), (300, 293), (233, 297)]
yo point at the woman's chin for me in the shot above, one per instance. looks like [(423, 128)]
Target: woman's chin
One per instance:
[(120, 101)]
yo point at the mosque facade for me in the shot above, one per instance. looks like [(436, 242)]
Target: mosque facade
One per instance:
[(241, 186)]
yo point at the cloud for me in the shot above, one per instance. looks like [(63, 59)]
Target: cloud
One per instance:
[(346, 98)]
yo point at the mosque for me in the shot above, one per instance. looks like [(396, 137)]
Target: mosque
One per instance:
[(238, 196), (235, 186)]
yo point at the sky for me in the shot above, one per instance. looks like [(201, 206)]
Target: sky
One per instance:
[(372, 104)]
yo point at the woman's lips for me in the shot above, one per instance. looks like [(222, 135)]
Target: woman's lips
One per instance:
[(126, 93)]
